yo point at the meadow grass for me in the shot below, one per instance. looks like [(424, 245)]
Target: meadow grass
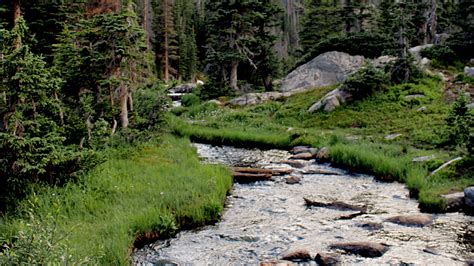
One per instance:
[(355, 133), (150, 194)]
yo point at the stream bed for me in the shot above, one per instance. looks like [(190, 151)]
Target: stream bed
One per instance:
[(264, 220)]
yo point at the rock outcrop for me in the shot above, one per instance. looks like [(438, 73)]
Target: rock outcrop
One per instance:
[(416, 51), (326, 69)]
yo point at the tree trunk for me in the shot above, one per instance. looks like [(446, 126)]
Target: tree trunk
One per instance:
[(431, 22), (123, 105), (16, 16), (166, 41), (233, 75), (146, 20)]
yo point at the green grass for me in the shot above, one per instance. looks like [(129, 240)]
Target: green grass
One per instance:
[(152, 193), (355, 133)]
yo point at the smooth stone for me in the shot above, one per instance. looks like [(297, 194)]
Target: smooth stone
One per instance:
[(364, 249), (291, 180), (419, 220), (327, 259), (323, 154), (297, 256)]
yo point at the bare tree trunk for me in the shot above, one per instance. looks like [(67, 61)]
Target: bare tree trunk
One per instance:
[(123, 105), (146, 24), (166, 41), (233, 75), (431, 23), (16, 16)]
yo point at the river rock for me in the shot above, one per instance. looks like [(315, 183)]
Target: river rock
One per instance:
[(364, 249), (327, 259), (295, 163), (324, 154), (303, 156), (419, 220), (291, 180), (303, 149), (469, 198), (276, 263), (454, 201), (299, 255), (371, 226), (324, 70)]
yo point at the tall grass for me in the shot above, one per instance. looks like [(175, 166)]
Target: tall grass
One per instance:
[(152, 194)]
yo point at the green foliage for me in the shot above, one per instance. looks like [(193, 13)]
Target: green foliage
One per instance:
[(150, 193), (460, 122), (368, 44), (190, 100), (441, 53), (404, 70), (365, 81)]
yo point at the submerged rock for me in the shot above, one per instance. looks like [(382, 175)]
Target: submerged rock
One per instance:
[(419, 220), (291, 180), (323, 154), (364, 249), (299, 255), (371, 226), (327, 259)]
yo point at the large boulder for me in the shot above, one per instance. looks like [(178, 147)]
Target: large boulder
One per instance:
[(326, 69)]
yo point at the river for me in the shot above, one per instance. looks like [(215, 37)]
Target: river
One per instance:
[(264, 220)]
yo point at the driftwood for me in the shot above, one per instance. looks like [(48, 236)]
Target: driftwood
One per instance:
[(338, 205), (250, 177), (262, 171)]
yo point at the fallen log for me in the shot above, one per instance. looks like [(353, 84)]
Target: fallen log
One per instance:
[(338, 205), (262, 171), (249, 177)]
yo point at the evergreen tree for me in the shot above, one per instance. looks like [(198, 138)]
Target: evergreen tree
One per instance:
[(184, 27)]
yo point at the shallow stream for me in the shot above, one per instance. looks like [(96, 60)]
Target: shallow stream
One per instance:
[(264, 220)]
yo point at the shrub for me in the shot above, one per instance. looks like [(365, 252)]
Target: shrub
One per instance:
[(441, 53), (460, 122), (404, 70), (190, 100), (365, 81)]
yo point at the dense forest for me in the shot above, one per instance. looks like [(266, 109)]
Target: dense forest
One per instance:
[(85, 86)]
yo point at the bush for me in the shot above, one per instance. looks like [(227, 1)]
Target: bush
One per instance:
[(443, 54), (460, 122), (190, 100), (365, 81), (404, 70)]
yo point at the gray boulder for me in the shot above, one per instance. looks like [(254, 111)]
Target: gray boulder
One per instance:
[(469, 197), (184, 88), (469, 71), (331, 101), (257, 98), (454, 201), (326, 69), (415, 51)]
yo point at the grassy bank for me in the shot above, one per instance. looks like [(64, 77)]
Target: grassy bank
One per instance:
[(355, 133), (138, 195)]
